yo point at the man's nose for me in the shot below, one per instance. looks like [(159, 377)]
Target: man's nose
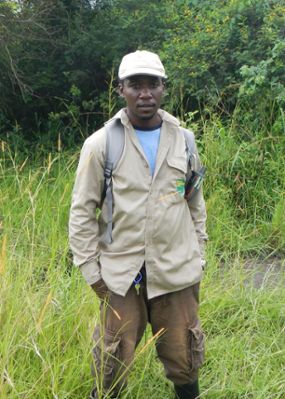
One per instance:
[(145, 92)]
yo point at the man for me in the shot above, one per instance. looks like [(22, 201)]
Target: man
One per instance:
[(151, 269)]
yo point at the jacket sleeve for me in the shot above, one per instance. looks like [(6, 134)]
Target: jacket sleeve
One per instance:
[(197, 208), (86, 197)]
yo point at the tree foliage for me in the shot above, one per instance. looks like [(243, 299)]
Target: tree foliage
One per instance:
[(59, 58)]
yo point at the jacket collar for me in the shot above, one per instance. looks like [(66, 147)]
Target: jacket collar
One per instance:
[(170, 124), (165, 116)]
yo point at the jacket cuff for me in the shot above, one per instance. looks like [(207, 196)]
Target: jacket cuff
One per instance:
[(202, 246), (91, 272)]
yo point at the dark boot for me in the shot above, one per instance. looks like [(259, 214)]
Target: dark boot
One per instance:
[(187, 391), (94, 395)]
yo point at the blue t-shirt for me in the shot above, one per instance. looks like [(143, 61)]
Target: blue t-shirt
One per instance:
[(149, 140)]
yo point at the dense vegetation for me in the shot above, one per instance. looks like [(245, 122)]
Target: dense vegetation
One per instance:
[(47, 313), (226, 66), (59, 59)]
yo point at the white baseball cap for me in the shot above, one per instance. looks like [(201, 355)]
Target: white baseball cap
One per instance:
[(141, 62)]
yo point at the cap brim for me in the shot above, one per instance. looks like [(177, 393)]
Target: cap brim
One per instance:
[(142, 71)]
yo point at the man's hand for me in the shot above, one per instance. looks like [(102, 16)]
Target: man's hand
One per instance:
[(101, 289)]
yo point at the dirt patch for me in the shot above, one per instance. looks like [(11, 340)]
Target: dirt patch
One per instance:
[(267, 273)]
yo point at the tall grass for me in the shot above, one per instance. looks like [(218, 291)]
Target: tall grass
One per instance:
[(47, 313)]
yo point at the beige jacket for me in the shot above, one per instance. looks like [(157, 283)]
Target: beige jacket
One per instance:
[(152, 221)]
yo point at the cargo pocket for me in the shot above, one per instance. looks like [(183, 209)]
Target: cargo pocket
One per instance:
[(106, 358), (197, 347)]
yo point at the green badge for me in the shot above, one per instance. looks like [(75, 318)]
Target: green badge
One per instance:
[(180, 186)]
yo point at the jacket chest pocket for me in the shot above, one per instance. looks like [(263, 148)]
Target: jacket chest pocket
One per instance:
[(177, 165), (173, 178), (177, 169)]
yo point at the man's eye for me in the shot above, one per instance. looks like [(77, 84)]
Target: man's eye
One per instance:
[(154, 85)]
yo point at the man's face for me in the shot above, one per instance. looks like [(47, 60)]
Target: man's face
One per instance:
[(143, 97)]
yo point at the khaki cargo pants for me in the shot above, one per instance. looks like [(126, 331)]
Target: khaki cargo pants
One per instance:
[(173, 318)]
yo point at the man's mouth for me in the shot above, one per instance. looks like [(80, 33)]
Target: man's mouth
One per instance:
[(146, 106)]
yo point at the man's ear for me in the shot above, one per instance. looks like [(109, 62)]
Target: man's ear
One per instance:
[(121, 90)]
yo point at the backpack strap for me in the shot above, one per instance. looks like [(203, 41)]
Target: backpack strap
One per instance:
[(114, 149), (194, 181), (190, 145)]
